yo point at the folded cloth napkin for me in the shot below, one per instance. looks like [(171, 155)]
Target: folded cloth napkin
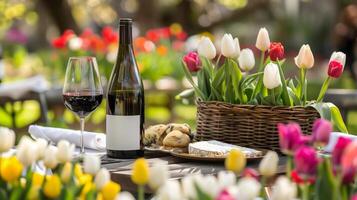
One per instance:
[(17, 89), (333, 140), (96, 141)]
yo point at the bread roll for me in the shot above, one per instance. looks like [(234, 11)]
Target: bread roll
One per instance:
[(176, 139), (154, 133)]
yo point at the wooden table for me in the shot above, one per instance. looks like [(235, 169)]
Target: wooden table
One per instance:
[(178, 168)]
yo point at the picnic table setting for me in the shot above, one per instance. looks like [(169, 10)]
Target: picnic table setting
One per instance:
[(245, 118)]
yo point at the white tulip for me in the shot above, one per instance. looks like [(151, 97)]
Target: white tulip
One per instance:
[(248, 188), (263, 40), (188, 185), (7, 139), (125, 196), (102, 178), (339, 57), (26, 151), (246, 60), (284, 189), (41, 147), (208, 184), (75, 43), (206, 48), (91, 164), (159, 174), (271, 78), (226, 179), (50, 157), (171, 190), (269, 164), (230, 47), (305, 58), (65, 151)]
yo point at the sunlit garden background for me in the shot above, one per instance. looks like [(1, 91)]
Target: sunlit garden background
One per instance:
[(38, 37)]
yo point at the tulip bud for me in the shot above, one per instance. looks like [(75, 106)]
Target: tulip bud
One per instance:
[(66, 172), (276, 51), (141, 173), (306, 162), (49, 157), (41, 146), (269, 164), (248, 188), (354, 197), (26, 151), (226, 179), (75, 43), (263, 41), (235, 161), (102, 178), (125, 196), (271, 77), (305, 58), (171, 190), (64, 151), (192, 61), (208, 184), (338, 150), (188, 185), (206, 48), (250, 172), (336, 64), (290, 137), (230, 47), (91, 164), (7, 139), (246, 60), (284, 189), (225, 195), (349, 162), (339, 57), (159, 174), (321, 131)]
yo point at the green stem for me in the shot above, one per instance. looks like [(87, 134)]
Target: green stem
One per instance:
[(289, 166), (273, 96), (285, 94), (305, 191), (141, 192), (259, 85), (218, 59), (303, 86), (324, 89), (262, 191)]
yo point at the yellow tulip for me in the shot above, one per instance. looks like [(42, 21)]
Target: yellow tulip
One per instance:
[(33, 193), (110, 190), (100, 197), (52, 187), (235, 161), (37, 179), (140, 173), (66, 172), (175, 28), (78, 172), (11, 169), (86, 188), (85, 178)]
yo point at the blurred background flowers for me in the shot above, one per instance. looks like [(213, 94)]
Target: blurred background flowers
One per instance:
[(38, 36)]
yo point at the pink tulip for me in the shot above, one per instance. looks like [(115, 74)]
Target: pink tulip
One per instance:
[(224, 195), (349, 162), (321, 131), (306, 162), (250, 172), (337, 152), (354, 197), (290, 137), (192, 61)]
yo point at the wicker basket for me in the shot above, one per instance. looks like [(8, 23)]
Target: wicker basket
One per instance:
[(249, 125)]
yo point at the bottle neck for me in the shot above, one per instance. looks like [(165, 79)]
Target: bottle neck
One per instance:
[(125, 35)]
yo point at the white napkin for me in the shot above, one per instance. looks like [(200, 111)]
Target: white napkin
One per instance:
[(333, 140), (95, 141), (18, 88)]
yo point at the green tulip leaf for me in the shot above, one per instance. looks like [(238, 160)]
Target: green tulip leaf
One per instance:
[(325, 186)]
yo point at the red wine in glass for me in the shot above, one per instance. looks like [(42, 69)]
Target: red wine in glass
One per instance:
[(83, 103)]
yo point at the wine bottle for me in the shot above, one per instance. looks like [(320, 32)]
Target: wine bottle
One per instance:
[(125, 96)]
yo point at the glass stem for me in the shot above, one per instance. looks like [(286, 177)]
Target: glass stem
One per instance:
[(82, 130)]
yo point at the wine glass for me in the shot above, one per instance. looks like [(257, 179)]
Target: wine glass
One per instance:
[(82, 90)]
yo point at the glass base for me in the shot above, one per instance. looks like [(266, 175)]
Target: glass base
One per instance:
[(132, 154)]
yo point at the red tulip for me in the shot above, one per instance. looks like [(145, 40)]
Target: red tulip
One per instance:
[(59, 43), (276, 51), (297, 179), (306, 162), (192, 61), (225, 195), (109, 35), (335, 69), (250, 172), (321, 131), (290, 137), (337, 152), (349, 162)]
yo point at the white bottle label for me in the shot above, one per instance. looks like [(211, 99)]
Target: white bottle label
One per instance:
[(123, 132)]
